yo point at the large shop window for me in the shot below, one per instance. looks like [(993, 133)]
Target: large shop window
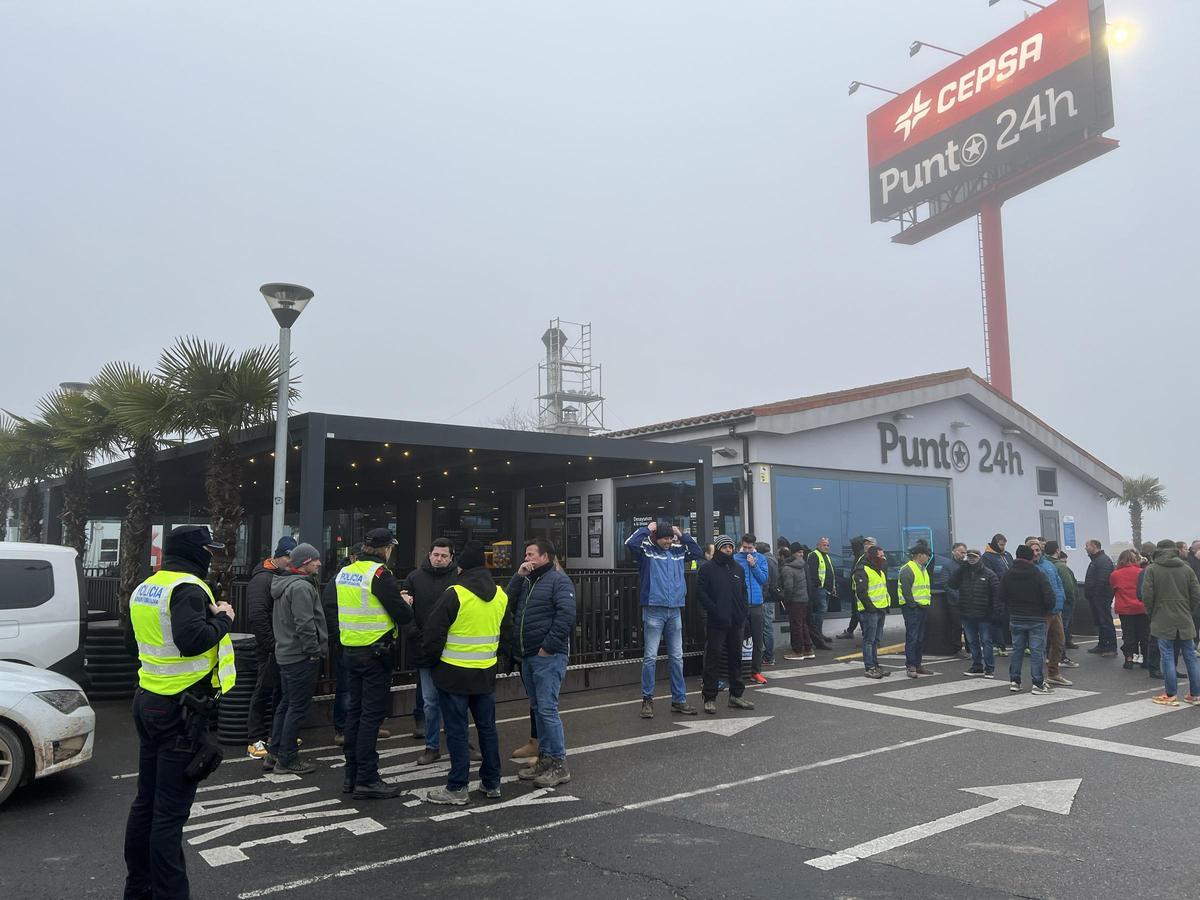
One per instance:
[(894, 512), (674, 497)]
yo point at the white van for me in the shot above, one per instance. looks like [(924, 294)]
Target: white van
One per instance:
[(43, 607)]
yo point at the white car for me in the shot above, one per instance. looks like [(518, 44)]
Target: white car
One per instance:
[(46, 725)]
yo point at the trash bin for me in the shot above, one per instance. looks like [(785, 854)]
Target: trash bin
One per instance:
[(943, 627), (234, 709)]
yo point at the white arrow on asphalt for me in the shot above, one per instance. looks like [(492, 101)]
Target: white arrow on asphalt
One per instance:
[(726, 727), (1050, 796)]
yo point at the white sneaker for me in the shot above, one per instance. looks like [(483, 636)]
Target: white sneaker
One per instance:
[(257, 750)]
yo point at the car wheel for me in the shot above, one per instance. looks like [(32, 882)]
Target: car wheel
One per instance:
[(12, 761)]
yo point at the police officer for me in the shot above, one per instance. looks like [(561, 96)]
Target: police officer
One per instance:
[(182, 639), (370, 610)]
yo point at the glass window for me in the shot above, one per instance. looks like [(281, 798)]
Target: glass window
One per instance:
[(25, 583), (1047, 481), (894, 512), (674, 497)]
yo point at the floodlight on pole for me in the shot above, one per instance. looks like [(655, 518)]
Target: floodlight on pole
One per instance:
[(286, 302), (915, 47), (855, 85)]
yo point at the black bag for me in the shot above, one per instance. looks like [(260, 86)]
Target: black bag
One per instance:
[(206, 757)]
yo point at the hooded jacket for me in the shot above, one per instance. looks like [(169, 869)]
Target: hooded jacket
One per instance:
[(793, 578), (426, 584), (258, 605), (1171, 594), (995, 560), (1047, 568), (721, 590), (543, 604), (1124, 583), (457, 679), (298, 618), (757, 576), (1026, 591), (660, 571), (1069, 585), (978, 590)]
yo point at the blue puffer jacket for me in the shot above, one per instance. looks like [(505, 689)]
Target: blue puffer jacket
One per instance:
[(544, 611), (1060, 595), (756, 578), (661, 571)]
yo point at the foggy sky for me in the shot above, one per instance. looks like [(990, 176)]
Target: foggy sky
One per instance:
[(690, 177)]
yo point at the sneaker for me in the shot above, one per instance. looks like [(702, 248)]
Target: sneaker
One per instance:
[(1164, 700), (757, 678), (1058, 679), (1042, 688), (740, 703), (529, 773), (846, 635), (911, 672), (921, 670), (446, 797), (1068, 663), (257, 750), (768, 662), (883, 673), (796, 657), (810, 655), (383, 733), (1128, 664), (1095, 649), (647, 708), (295, 767), (1015, 687), (1191, 701), (710, 707), (527, 753), (491, 793), (269, 762), (428, 756), (339, 739), (683, 709), (873, 673), (554, 774), (973, 673), (989, 673), (1002, 651), (376, 790)]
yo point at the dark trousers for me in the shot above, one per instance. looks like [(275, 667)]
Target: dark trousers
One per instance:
[(154, 831), (482, 708), (296, 683), (1102, 616), (729, 641), (1001, 632), (370, 693), (756, 636), (798, 614), (1135, 634), (418, 704), (265, 697), (341, 692), (854, 619)]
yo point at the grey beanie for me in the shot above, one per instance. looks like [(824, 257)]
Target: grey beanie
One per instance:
[(302, 554), (723, 540)]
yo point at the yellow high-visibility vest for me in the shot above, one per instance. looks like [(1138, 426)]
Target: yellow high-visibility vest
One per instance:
[(820, 568), (920, 586), (877, 591), (362, 619), (164, 670), (474, 637)]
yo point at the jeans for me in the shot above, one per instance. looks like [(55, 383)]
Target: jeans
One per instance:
[(432, 712), (370, 695), (543, 678), (1001, 630), (1102, 616), (729, 640), (768, 608), (1029, 633), (798, 615), (1135, 633), (265, 697), (418, 702), (296, 681), (1055, 643), (341, 693), (482, 708), (979, 641), (756, 638), (820, 606), (659, 622), (872, 628), (1167, 648), (154, 832), (914, 634)]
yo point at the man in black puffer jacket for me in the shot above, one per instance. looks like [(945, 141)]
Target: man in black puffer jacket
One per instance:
[(978, 589), (426, 584), (721, 590), (259, 608), (1026, 593)]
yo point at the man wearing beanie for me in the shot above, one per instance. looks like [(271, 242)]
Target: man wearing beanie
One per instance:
[(1026, 593), (466, 640), (721, 590), (258, 610), (301, 641)]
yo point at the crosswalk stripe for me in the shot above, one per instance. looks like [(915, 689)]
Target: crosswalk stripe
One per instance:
[(803, 671), (1025, 700), (1113, 716), (841, 684), (942, 689), (1192, 736)]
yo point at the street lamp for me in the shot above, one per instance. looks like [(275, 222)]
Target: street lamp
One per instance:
[(855, 85), (915, 47), (286, 301)]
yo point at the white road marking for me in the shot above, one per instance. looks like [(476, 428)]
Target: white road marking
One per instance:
[(383, 754), (222, 827), (854, 681), (539, 797), (999, 706), (217, 805), (1034, 734), (589, 817), (437, 770), (223, 856), (1191, 736), (442, 764), (802, 671), (268, 778), (1051, 796), (472, 787), (727, 727), (1121, 714), (942, 689)]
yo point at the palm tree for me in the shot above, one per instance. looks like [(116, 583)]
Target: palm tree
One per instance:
[(220, 394), (7, 473), (1139, 494), (80, 428), (32, 460), (143, 415)]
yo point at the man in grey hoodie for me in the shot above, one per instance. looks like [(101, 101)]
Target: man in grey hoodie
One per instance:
[(301, 640)]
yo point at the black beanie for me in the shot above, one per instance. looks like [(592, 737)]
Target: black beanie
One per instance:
[(471, 556), (1025, 552)]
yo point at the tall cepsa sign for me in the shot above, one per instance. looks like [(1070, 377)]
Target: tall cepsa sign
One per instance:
[(1041, 85)]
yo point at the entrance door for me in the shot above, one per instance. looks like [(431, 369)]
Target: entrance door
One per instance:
[(1049, 525)]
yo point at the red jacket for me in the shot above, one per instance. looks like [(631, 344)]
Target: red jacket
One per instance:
[(1124, 583)]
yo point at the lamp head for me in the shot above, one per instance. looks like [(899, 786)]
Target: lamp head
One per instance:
[(854, 86), (914, 48), (287, 301)]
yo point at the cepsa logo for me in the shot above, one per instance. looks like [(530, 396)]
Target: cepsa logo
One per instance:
[(998, 69)]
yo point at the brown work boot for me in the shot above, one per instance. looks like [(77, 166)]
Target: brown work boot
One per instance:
[(921, 670), (647, 711), (527, 753)]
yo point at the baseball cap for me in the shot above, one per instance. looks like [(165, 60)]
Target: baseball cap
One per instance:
[(379, 537), (194, 535)]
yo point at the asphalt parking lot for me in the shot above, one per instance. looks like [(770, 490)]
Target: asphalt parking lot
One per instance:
[(834, 786)]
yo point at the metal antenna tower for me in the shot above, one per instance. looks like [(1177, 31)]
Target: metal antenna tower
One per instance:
[(569, 400)]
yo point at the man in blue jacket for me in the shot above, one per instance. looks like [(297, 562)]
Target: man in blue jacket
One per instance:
[(754, 566), (662, 551), (1055, 636), (544, 599)]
